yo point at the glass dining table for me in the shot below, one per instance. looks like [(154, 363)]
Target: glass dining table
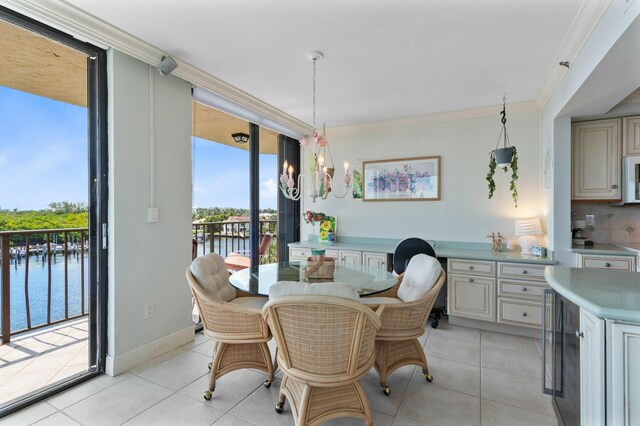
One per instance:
[(366, 280)]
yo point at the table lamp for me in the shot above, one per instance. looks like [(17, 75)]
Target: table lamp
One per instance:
[(527, 229)]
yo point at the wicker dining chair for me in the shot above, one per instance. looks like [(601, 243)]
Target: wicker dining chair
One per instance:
[(408, 305), (325, 345), (232, 318)]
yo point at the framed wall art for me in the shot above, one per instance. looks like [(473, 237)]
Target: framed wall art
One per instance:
[(402, 179)]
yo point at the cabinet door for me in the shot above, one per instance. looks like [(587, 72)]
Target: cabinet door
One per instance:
[(631, 135), (472, 297), (375, 260), (596, 160), (348, 257), (623, 368), (592, 368)]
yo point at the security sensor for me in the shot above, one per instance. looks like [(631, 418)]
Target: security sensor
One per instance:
[(166, 65)]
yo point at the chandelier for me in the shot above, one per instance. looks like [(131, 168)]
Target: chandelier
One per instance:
[(322, 169)]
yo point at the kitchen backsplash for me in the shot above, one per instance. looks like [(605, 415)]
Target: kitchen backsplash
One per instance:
[(613, 224)]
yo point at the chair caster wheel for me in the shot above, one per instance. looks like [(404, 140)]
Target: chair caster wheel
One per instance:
[(386, 390), (209, 366), (279, 407), (429, 377), (207, 395), (267, 383)]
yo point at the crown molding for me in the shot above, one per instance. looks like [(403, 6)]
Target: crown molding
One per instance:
[(463, 114), (85, 27), (583, 25)]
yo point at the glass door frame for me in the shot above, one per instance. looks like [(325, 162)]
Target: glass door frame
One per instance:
[(98, 207)]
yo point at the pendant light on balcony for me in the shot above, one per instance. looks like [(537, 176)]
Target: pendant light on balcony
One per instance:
[(321, 180)]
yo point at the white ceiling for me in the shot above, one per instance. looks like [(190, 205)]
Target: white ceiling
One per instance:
[(384, 59)]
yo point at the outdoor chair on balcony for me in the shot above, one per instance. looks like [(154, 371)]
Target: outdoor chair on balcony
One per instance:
[(232, 318), (325, 345), (407, 307), (240, 259)]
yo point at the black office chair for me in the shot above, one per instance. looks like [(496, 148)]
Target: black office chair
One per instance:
[(403, 253)]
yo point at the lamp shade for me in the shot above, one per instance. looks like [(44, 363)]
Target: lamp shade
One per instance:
[(528, 226)]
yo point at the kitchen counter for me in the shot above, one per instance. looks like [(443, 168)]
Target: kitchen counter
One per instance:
[(449, 249), (621, 249), (613, 295)]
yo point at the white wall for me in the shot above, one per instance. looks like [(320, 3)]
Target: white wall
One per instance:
[(147, 260), (464, 213)]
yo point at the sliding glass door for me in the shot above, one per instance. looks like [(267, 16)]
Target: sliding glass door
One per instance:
[(53, 212)]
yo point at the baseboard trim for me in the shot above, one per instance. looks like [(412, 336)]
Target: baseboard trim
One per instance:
[(121, 363)]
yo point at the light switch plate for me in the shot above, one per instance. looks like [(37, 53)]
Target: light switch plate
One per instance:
[(152, 214)]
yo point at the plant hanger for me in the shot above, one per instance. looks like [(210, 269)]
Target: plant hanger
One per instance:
[(504, 157)]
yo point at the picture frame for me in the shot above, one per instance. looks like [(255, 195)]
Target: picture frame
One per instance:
[(402, 179)]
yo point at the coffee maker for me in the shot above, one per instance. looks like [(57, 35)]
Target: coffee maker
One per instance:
[(578, 235)]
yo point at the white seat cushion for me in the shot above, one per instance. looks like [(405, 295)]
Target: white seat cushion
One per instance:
[(379, 300), (250, 302), (210, 272), (421, 275), (294, 288)]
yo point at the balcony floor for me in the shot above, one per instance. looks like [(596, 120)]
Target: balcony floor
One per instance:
[(42, 357)]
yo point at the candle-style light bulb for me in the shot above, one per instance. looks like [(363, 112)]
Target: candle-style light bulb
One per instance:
[(324, 170), (321, 160), (346, 165), (290, 170), (285, 166)]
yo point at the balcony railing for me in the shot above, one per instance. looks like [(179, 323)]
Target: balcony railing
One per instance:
[(225, 238), (49, 267)]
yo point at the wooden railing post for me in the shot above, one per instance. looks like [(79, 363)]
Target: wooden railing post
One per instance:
[(6, 291)]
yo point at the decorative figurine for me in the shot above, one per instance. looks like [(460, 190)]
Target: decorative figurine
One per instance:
[(496, 241)]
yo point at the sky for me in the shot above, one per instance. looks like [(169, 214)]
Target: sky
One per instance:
[(43, 159)]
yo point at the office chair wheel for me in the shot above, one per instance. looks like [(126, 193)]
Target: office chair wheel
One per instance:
[(280, 407), (209, 366), (434, 324), (386, 390), (267, 383), (429, 377), (207, 395)]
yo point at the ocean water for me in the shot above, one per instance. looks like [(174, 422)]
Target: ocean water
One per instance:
[(38, 289)]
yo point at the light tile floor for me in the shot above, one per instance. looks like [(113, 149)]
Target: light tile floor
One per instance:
[(36, 359), (480, 378)]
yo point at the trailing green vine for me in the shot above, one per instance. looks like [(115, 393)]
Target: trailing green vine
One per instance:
[(514, 175), (492, 171)]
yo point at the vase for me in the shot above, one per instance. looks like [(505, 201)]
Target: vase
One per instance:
[(313, 237)]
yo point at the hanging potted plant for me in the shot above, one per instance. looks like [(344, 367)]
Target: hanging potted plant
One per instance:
[(506, 158)]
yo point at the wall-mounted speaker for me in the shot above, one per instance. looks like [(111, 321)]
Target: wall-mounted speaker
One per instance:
[(167, 65)]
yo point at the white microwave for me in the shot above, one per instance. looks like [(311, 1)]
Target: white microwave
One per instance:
[(631, 179)]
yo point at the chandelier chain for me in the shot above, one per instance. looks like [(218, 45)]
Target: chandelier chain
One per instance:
[(314, 94)]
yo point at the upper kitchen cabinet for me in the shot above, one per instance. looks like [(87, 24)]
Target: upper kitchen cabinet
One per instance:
[(631, 138), (596, 159)]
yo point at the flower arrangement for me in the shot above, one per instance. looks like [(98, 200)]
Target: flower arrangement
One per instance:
[(313, 217)]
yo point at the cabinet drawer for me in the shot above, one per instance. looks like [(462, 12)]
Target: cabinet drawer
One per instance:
[(528, 289), (473, 267), (521, 270), (332, 253), (523, 313), (619, 263), (299, 253)]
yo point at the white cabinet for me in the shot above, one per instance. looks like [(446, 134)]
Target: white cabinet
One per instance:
[(596, 160), (349, 257), (520, 288), (596, 261), (592, 362), (299, 253), (471, 296), (631, 135), (375, 260), (623, 374)]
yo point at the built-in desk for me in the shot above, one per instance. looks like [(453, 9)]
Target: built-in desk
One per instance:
[(499, 291)]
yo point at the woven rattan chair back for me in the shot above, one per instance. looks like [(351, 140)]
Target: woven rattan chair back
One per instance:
[(323, 339)]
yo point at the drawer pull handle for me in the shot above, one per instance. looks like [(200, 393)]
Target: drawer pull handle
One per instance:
[(524, 314), (607, 265), (470, 280), (614, 186), (471, 267), (524, 272), (524, 289)]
